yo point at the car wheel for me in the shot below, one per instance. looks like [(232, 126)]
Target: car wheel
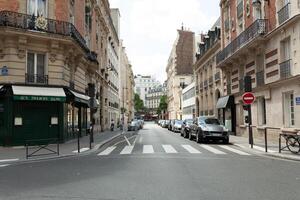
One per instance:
[(198, 138), (226, 141)]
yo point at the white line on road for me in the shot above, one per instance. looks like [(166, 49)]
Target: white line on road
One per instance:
[(124, 140), (212, 149), (169, 149), (141, 139), (107, 151), (147, 149), (190, 149), (9, 160), (81, 150), (234, 150), (4, 165), (127, 150)]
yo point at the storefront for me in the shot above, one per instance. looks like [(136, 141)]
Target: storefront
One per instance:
[(36, 113), (226, 112)]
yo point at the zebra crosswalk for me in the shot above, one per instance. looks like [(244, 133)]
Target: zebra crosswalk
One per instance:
[(172, 149)]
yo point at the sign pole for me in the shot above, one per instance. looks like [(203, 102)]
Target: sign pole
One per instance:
[(248, 99)]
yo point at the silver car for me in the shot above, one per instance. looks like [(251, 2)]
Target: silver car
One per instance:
[(208, 128)]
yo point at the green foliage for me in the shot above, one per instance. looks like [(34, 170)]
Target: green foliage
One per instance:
[(163, 105), (138, 103)]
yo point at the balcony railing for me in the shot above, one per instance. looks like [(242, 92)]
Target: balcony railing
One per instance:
[(31, 22), (36, 79), (285, 69), (284, 13), (257, 28), (217, 76), (260, 78)]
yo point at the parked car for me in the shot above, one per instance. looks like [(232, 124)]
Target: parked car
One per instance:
[(141, 123), (185, 128), (166, 124), (208, 128), (134, 125), (177, 126)]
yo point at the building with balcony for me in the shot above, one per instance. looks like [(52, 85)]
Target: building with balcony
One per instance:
[(261, 39), (144, 83), (153, 97), (189, 101), (209, 78), (179, 70), (53, 68)]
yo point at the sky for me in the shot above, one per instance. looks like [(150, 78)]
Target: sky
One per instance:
[(149, 29)]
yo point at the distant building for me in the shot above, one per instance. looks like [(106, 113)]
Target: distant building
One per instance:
[(153, 98), (179, 71), (143, 84), (188, 101)]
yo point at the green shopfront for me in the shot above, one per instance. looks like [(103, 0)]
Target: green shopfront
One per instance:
[(37, 113)]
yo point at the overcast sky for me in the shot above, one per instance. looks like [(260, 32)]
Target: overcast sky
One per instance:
[(149, 28)]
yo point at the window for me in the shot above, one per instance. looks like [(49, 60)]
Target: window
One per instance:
[(36, 67), (285, 49), (261, 101), (37, 7), (289, 109)]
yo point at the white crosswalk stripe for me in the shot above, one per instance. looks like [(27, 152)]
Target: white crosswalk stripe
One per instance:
[(107, 151), (190, 149), (169, 149), (148, 149), (234, 150), (212, 149), (4, 165), (127, 150)]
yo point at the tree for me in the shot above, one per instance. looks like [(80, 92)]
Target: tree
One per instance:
[(138, 103), (163, 105)]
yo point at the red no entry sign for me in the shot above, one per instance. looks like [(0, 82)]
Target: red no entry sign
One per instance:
[(248, 98)]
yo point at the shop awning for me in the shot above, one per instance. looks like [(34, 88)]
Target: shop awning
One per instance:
[(225, 102), (25, 93), (80, 98)]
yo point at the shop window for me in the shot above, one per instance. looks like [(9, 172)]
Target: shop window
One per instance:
[(289, 109), (36, 68), (37, 7), (261, 106)]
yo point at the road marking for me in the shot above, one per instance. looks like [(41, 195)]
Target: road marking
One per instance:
[(4, 165), (9, 160), (234, 150), (127, 150), (190, 149), (81, 150), (147, 149), (141, 139), (212, 149), (262, 149), (115, 144), (169, 149), (107, 151)]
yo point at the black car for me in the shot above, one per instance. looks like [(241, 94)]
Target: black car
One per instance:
[(185, 128), (208, 128)]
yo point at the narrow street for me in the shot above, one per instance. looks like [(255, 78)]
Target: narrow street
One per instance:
[(158, 165)]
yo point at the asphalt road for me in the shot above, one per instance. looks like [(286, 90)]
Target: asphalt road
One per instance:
[(158, 165)]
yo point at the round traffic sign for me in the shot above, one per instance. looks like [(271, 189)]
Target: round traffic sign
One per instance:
[(248, 98)]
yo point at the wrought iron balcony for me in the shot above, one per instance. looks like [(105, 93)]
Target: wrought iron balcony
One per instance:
[(36, 79), (285, 69), (217, 76), (260, 78), (256, 29), (31, 22), (284, 13)]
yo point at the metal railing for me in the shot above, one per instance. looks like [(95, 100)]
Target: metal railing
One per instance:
[(31, 22), (36, 79), (285, 69), (256, 29), (42, 147), (284, 13), (260, 78)]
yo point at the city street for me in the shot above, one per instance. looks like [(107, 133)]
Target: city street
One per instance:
[(158, 164)]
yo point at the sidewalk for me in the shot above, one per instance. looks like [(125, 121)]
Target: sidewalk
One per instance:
[(69, 148), (259, 147)]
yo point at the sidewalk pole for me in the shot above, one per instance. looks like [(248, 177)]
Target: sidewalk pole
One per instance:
[(250, 127), (266, 140), (78, 143)]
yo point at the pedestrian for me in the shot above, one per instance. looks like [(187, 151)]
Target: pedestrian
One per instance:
[(112, 124)]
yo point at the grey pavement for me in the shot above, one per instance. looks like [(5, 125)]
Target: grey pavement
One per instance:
[(158, 164), (69, 148)]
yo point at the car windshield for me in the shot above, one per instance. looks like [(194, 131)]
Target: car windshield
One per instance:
[(212, 121), (179, 122), (189, 121)]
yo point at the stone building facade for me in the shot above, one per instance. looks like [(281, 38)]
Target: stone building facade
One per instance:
[(53, 57), (261, 39), (153, 98), (179, 71)]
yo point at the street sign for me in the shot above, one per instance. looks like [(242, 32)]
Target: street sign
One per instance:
[(248, 98)]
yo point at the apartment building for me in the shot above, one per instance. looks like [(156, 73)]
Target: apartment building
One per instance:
[(261, 39), (153, 98), (144, 83), (179, 71), (54, 72), (189, 102)]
